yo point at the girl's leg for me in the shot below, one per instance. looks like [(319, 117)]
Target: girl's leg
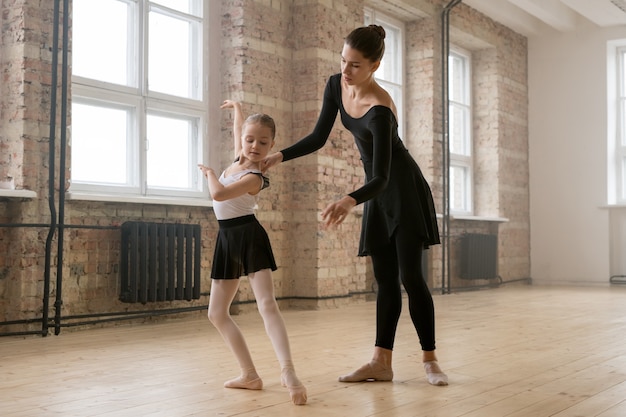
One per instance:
[(388, 309), (421, 306), (223, 292), (263, 287)]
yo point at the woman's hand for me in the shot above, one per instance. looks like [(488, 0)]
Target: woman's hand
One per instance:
[(271, 160), (337, 212)]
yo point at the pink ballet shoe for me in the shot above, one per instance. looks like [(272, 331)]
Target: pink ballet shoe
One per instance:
[(242, 383), (372, 371), (296, 392), (434, 374)]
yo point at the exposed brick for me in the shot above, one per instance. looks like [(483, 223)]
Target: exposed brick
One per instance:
[(276, 57)]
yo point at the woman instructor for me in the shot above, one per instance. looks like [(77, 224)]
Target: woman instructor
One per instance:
[(399, 219)]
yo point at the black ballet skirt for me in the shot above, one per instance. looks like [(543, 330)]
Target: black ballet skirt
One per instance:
[(242, 248)]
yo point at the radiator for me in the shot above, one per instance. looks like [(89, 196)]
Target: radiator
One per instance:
[(479, 256), (159, 262)]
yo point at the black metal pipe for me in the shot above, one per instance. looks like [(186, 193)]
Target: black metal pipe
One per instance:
[(445, 142), (88, 226), (66, 226), (23, 321), (51, 168), (129, 315), (24, 225), (27, 333), (62, 163)]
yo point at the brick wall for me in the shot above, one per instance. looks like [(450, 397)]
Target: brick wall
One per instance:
[(276, 57)]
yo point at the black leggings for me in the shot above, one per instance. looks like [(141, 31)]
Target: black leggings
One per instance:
[(401, 261)]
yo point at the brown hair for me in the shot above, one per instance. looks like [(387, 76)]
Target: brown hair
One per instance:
[(369, 41), (263, 120)]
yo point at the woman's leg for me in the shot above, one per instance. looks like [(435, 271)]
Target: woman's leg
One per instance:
[(421, 308), (223, 292), (263, 287), (388, 297), (420, 300), (388, 309)]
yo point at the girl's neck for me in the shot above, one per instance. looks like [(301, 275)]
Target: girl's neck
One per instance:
[(245, 163)]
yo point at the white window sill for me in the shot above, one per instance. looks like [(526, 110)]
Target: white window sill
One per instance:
[(172, 201), (614, 206), (479, 218), (17, 194)]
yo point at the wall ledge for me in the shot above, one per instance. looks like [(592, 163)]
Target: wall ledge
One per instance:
[(109, 198), (17, 194), (480, 218)]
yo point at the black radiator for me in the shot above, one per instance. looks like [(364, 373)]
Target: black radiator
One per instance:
[(160, 262), (479, 256)]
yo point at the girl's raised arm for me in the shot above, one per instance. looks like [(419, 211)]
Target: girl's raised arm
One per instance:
[(237, 123)]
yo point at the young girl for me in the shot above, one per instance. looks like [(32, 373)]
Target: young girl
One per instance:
[(243, 248)]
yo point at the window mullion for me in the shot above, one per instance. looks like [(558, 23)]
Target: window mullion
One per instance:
[(142, 146), (620, 131), (142, 73), (142, 47), (460, 109)]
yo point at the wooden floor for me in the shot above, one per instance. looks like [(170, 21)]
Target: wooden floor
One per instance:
[(517, 351)]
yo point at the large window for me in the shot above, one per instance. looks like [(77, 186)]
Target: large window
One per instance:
[(138, 118), (621, 123), (460, 134), (391, 71), (617, 125)]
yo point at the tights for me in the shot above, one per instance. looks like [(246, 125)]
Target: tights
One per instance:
[(401, 261), (223, 292)]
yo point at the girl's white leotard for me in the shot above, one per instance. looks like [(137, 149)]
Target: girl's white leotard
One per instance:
[(238, 206)]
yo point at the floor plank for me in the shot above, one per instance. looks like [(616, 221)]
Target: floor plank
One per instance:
[(515, 351)]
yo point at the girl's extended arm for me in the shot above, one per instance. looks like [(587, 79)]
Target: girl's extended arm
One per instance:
[(237, 123), (248, 184)]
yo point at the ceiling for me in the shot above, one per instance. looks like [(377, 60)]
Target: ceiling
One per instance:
[(537, 17)]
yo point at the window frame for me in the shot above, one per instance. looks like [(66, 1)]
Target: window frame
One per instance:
[(144, 103), (617, 123), (463, 161), (620, 128)]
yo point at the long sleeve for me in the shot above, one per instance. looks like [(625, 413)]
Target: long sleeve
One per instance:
[(380, 127), (375, 134)]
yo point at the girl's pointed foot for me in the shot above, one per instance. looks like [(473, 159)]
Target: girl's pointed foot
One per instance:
[(297, 391), (242, 382)]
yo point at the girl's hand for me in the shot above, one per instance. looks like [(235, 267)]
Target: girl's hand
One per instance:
[(271, 160), (229, 104), (337, 212), (205, 169)]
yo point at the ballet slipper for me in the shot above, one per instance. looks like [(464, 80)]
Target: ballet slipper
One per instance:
[(434, 374), (244, 383), (297, 391), (372, 371)]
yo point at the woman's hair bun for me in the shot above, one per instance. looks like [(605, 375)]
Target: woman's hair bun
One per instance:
[(378, 29)]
